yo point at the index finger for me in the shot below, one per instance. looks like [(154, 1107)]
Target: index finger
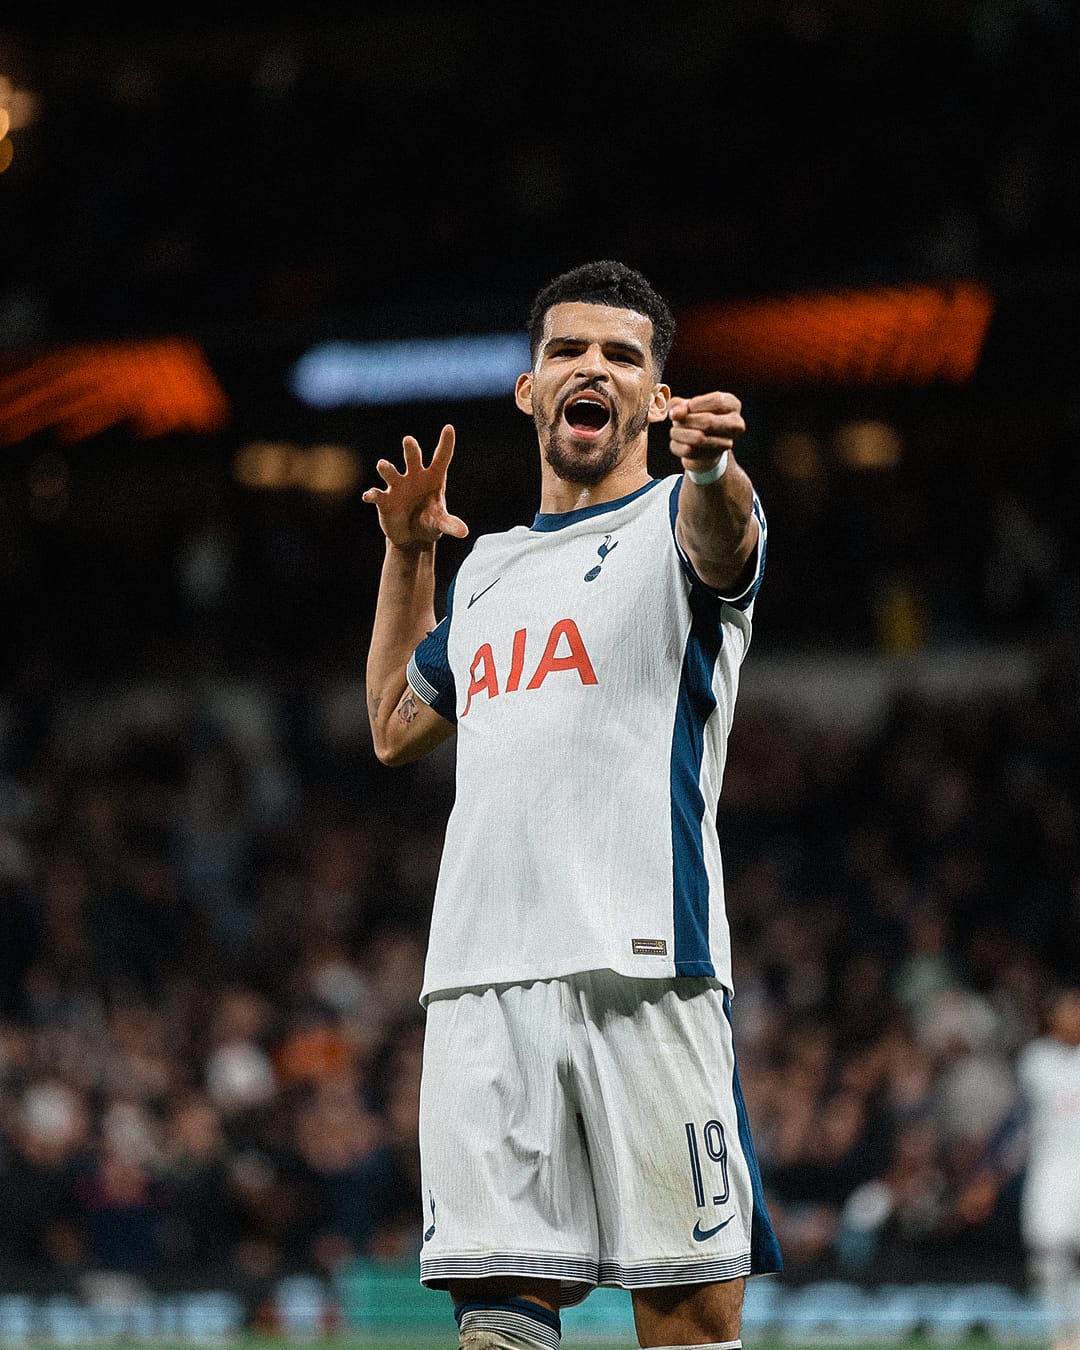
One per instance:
[(717, 400)]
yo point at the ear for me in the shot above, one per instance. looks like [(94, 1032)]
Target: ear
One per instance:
[(523, 392), (658, 405)]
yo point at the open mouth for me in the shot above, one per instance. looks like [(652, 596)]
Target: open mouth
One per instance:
[(587, 415)]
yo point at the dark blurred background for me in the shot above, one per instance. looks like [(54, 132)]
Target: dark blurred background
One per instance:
[(214, 900), (262, 183)]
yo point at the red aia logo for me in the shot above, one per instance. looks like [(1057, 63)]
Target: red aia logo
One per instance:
[(484, 675)]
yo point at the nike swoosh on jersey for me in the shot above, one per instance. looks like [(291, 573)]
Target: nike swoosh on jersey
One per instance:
[(480, 593), (701, 1234)]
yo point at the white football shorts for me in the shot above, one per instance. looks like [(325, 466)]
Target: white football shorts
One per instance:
[(589, 1129)]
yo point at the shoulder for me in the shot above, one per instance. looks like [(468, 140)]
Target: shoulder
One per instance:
[(497, 541), (493, 544)]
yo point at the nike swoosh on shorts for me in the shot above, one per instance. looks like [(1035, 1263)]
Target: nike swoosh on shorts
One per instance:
[(701, 1234)]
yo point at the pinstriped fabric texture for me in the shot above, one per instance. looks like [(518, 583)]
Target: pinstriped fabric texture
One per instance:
[(663, 1273), (593, 680), (560, 1150), (510, 1263)]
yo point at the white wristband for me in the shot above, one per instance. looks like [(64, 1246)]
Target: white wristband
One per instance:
[(707, 476)]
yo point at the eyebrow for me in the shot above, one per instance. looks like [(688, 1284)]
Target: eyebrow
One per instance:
[(616, 345)]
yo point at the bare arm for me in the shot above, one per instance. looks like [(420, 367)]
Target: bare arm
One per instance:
[(716, 524), (413, 515)]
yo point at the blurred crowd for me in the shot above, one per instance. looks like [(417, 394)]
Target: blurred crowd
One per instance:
[(213, 905), (903, 906), (211, 956)]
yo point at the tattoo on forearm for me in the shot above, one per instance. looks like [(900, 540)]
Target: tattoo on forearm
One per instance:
[(407, 708), (374, 702)]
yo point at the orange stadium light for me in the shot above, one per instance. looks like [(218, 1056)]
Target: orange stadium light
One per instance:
[(158, 386), (911, 334)]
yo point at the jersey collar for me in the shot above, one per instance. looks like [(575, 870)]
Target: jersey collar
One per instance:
[(558, 520)]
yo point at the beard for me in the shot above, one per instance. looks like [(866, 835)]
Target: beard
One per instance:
[(585, 464)]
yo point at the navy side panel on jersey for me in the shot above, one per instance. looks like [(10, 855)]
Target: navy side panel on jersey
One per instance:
[(696, 703)]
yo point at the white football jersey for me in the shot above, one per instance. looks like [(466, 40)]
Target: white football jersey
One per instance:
[(592, 677), (1049, 1074)]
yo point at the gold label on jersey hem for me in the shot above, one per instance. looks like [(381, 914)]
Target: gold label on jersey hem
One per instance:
[(649, 946)]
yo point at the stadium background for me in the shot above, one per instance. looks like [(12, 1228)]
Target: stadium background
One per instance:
[(213, 900)]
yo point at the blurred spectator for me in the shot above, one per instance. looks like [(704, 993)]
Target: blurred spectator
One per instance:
[(200, 1231), (1049, 1077), (22, 924), (239, 1072), (47, 1147), (121, 1204), (338, 1138)]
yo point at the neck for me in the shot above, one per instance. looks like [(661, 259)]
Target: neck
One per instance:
[(559, 494)]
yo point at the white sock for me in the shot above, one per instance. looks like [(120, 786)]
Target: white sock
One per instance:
[(1054, 1273), (495, 1340), (1071, 1306), (509, 1324), (713, 1345)]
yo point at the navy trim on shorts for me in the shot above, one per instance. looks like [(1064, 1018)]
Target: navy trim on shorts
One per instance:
[(578, 1276), (658, 1274), (765, 1255)]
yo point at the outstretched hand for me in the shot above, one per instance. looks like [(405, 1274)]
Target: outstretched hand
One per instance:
[(703, 427), (412, 506)]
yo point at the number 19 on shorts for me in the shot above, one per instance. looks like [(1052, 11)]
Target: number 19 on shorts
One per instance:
[(705, 1147)]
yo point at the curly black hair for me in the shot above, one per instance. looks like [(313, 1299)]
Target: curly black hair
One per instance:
[(606, 282)]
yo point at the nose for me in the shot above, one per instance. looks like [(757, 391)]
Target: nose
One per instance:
[(591, 363)]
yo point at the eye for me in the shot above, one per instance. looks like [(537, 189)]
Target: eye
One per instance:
[(622, 356)]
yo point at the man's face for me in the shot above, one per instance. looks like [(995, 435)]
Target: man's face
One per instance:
[(592, 389)]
